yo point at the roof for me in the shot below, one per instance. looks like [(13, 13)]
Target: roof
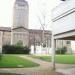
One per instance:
[(8, 29), (5, 29), (40, 31), (19, 27)]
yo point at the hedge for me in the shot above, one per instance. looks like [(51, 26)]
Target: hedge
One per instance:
[(62, 50), (12, 49)]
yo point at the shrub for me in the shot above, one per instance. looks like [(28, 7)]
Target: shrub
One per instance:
[(11, 49), (58, 51), (62, 50), (26, 50), (8, 49), (44, 45), (0, 56)]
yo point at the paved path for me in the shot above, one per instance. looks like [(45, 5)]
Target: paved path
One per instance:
[(43, 69), (67, 69)]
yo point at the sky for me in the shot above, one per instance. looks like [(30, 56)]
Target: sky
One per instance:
[(36, 9)]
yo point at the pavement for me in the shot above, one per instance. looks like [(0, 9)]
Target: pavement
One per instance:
[(45, 68), (69, 71)]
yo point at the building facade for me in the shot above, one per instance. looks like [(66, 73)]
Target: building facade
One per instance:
[(63, 20), (19, 32), (30, 36), (20, 14)]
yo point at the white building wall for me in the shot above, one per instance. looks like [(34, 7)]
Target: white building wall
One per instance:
[(73, 46), (41, 50), (64, 24), (63, 7), (1, 38), (63, 17)]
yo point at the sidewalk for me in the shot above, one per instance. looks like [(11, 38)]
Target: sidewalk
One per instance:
[(67, 69)]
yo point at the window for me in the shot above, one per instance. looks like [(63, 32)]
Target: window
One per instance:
[(68, 42)]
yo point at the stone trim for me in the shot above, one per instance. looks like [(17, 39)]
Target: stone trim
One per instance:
[(65, 34)]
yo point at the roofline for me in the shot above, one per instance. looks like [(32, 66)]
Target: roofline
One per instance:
[(46, 31), (5, 30), (18, 28), (39, 30)]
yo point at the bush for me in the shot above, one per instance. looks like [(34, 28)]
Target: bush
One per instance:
[(44, 45), (62, 50), (26, 50), (0, 56), (58, 51), (11, 49)]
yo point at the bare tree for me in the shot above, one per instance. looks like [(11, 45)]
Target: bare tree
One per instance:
[(41, 17), (42, 26), (42, 20)]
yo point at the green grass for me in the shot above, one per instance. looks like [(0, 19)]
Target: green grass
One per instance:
[(13, 61), (63, 59), (8, 74)]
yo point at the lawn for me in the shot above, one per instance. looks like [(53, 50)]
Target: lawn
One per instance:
[(8, 74), (64, 59), (13, 61)]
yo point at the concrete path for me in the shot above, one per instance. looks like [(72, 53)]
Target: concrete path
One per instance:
[(69, 71), (65, 69), (43, 69)]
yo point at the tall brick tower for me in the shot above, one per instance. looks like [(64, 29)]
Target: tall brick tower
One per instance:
[(20, 14), (20, 32)]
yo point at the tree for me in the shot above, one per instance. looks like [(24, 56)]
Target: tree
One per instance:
[(43, 22), (41, 16)]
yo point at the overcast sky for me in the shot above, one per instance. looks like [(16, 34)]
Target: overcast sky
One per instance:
[(35, 9)]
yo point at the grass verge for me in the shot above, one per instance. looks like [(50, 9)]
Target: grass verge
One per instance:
[(13, 61), (63, 59), (8, 74)]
